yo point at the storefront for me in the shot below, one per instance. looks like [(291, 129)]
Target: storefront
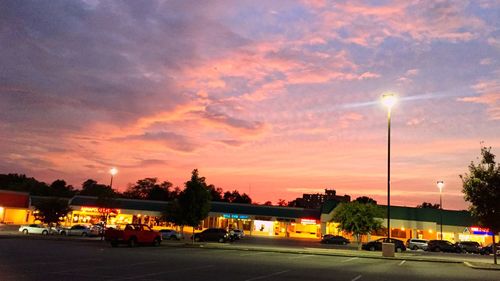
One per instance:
[(14, 207), (258, 220)]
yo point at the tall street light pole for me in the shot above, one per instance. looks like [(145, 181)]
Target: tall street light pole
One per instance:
[(389, 100), (440, 185), (113, 171)]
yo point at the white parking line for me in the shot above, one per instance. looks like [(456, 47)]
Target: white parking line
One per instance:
[(300, 257), (269, 275), (356, 278), (401, 263), (351, 259)]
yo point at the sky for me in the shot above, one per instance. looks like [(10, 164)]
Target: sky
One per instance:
[(271, 98)]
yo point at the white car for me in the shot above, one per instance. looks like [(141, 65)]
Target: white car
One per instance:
[(36, 228), (79, 230)]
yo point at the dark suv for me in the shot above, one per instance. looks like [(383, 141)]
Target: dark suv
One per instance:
[(469, 247), (212, 234), (442, 246), (376, 245)]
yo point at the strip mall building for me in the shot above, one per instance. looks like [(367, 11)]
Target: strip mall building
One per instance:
[(407, 222)]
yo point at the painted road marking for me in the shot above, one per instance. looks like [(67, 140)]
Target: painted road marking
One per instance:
[(269, 275), (356, 278), (401, 263), (351, 259), (300, 257)]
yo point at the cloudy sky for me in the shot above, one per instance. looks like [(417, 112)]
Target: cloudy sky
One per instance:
[(272, 98)]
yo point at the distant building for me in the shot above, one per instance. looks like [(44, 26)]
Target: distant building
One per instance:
[(315, 201)]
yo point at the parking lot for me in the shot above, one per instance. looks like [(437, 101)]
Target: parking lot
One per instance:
[(74, 259)]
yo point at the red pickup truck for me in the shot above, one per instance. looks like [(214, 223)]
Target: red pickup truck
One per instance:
[(132, 235)]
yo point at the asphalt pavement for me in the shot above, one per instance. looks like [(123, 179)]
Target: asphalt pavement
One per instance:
[(35, 258)]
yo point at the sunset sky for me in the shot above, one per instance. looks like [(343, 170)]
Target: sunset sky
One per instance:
[(272, 98)]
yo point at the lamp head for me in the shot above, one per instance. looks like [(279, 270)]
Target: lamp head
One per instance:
[(389, 99), (440, 185), (113, 171)]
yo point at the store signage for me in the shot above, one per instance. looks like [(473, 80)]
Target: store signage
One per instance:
[(480, 230), (234, 216), (100, 210), (307, 221)]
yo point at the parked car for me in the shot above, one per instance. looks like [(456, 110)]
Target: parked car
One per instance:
[(334, 239), (469, 247), (79, 230), (416, 244), (236, 234), (170, 234), (376, 245), (488, 249), (132, 235), (212, 234), (442, 246), (37, 229)]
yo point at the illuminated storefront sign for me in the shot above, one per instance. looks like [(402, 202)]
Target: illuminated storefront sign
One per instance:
[(307, 221), (234, 216), (480, 230), (100, 210)]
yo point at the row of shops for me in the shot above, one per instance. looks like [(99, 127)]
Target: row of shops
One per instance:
[(254, 220)]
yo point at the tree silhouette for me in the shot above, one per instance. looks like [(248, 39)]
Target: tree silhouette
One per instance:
[(428, 205), (366, 200), (51, 210), (481, 187), (194, 201)]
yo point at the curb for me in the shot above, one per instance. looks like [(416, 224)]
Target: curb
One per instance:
[(481, 267), (205, 246)]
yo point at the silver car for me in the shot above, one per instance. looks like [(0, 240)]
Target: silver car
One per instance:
[(78, 230), (170, 234), (416, 244), (36, 229)]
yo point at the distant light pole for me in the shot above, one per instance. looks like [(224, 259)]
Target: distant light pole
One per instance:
[(389, 100), (113, 171), (440, 185)]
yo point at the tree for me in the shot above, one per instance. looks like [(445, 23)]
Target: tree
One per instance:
[(428, 205), (481, 187), (51, 211), (357, 218), (366, 200), (194, 201), (174, 214), (149, 189), (236, 197), (215, 193), (268, 203), (282, 203), (59, 188), (19, 182), (90, 187)]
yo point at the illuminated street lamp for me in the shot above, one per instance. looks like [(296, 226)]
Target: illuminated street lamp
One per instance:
[(113, 171), (440, 185), (389, 100)]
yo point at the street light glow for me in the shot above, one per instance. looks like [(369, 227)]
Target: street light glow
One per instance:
[(389, 100), (113, 171), (440, 185)]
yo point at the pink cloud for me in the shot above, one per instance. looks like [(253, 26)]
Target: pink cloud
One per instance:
[(489, 95)]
